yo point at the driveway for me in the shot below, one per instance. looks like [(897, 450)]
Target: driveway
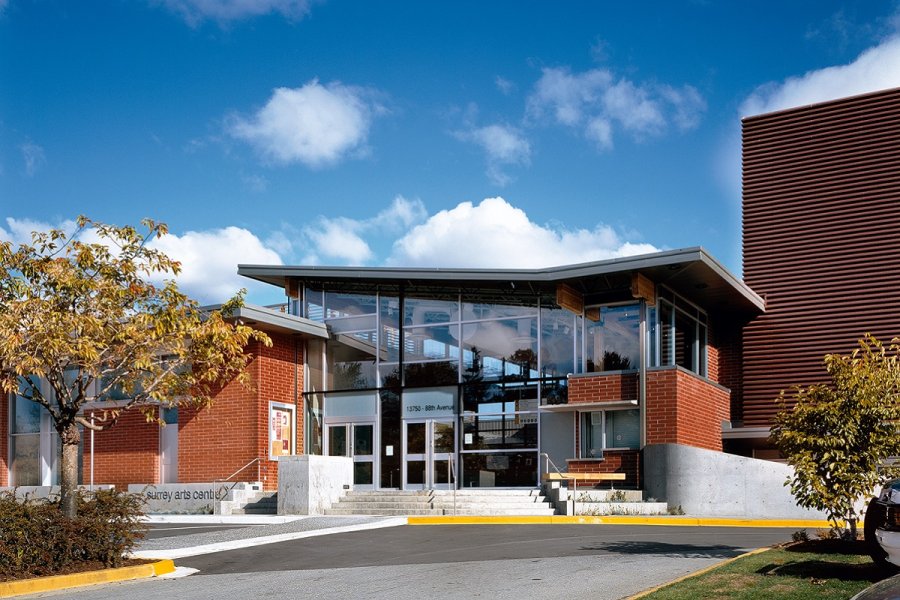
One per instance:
[(455, 561)]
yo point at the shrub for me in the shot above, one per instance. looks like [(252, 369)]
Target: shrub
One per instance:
[(37, 539)]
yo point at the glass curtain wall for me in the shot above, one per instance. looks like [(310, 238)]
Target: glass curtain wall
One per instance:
[(505, 358)]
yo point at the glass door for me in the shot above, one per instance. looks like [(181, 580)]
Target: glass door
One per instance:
[(429, 447), (356, 440)]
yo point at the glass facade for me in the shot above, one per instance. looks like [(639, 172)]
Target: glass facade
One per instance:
[(415, 364)]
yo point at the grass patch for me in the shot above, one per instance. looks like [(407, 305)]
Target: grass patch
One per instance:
[(813, 570)]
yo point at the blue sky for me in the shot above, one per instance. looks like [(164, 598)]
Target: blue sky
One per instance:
[(491, 134)]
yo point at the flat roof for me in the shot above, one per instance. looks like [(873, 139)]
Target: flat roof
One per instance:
[(277, 321), (690, 272)]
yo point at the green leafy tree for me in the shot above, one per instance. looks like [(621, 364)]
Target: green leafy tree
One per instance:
[(80, 312), (838, 435)]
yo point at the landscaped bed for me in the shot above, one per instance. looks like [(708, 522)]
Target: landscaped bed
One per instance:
[(823, 569)]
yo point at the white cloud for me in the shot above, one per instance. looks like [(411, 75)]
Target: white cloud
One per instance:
[(596, 102), (33, 157), (495, 234), (875, 69), (316, 125), (223, 11), (342, 239), (503, 146), (208, 259), (505, 86)]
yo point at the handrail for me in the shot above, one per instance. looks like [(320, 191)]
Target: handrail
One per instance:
[(567, 479), (258, 466), (451, 479)]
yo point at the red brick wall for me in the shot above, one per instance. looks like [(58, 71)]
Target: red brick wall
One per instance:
[(216, 442), (603, 388), (4, 439), (685, 409), (126, 453), (614, 461)]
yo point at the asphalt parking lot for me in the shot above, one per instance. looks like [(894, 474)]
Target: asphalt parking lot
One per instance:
[(454, 561)]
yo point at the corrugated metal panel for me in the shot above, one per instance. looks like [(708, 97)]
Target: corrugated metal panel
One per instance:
[(821, 232)]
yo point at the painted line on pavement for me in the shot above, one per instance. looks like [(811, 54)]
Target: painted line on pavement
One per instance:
[(617, 520), (8, 589), (270, 539)]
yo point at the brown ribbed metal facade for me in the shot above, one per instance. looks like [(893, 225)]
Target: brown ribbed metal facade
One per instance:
[(821, 226)]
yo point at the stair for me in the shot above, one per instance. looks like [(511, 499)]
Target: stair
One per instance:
[(525, 502), (258, 503)]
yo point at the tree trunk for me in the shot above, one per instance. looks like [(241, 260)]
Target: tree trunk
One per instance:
[(70, 438)]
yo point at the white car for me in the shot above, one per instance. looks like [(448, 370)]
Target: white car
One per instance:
[(882, 525)]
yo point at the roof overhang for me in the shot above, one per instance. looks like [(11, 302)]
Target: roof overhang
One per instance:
[(690, 272), (275, 321)]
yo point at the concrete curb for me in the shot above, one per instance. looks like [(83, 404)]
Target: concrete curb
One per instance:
[(696, 573), (8, 589), (262, 540), (618, 520), (223, 519)]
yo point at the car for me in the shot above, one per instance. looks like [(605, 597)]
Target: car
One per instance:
[(882, 526)]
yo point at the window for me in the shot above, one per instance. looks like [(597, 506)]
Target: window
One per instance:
[(609, 429), (681, 331), (612, 337)]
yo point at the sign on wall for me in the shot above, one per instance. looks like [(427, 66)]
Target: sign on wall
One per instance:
[(281, 429)]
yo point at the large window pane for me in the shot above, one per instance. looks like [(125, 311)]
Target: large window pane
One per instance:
[(685, 341), (391, 443), (499, 398), (496, 469), (612, 338), (339, 304), (389, 335), (495, 432), (314, 308), (314, 424), (27, 416), (429, 311), (351, 361), (436, 342), (557, 342), (26, 462), (428, 374), (623, 429), (481, 310), (350, 404), (501, 349)]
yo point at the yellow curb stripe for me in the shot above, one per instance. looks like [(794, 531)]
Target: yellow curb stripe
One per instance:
[(702, 571), (9, 589), (616, 520)]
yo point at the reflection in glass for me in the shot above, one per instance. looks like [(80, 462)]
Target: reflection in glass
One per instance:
[(415, 438), (444, 438), (499, 398), (507, 469), (500, 431), (314, 424), (363, 436), (555, 391), (431, 343), (415, 472), (391, 455), (27, 418), (314, 307), (429, 311), (623, 429), (612, 338), (337, 440), (558, 328), (26, 464), (340, 304), (482, 310), (429, 374), (502, 349), (362, 473), (351, 360)]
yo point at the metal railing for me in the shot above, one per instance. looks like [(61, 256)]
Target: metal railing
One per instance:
[(563, 477), (256, 460)]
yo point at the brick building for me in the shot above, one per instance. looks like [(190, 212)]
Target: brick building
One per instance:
[(440, 378)]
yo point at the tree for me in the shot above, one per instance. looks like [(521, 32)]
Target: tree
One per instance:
[(85, 317), (837, 436)]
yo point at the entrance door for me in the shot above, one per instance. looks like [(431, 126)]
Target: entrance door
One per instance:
[(356, 440), (429, 447)]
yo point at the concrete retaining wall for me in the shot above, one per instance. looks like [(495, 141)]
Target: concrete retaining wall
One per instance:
[(309, 484), (709, 483), (182, 498)]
